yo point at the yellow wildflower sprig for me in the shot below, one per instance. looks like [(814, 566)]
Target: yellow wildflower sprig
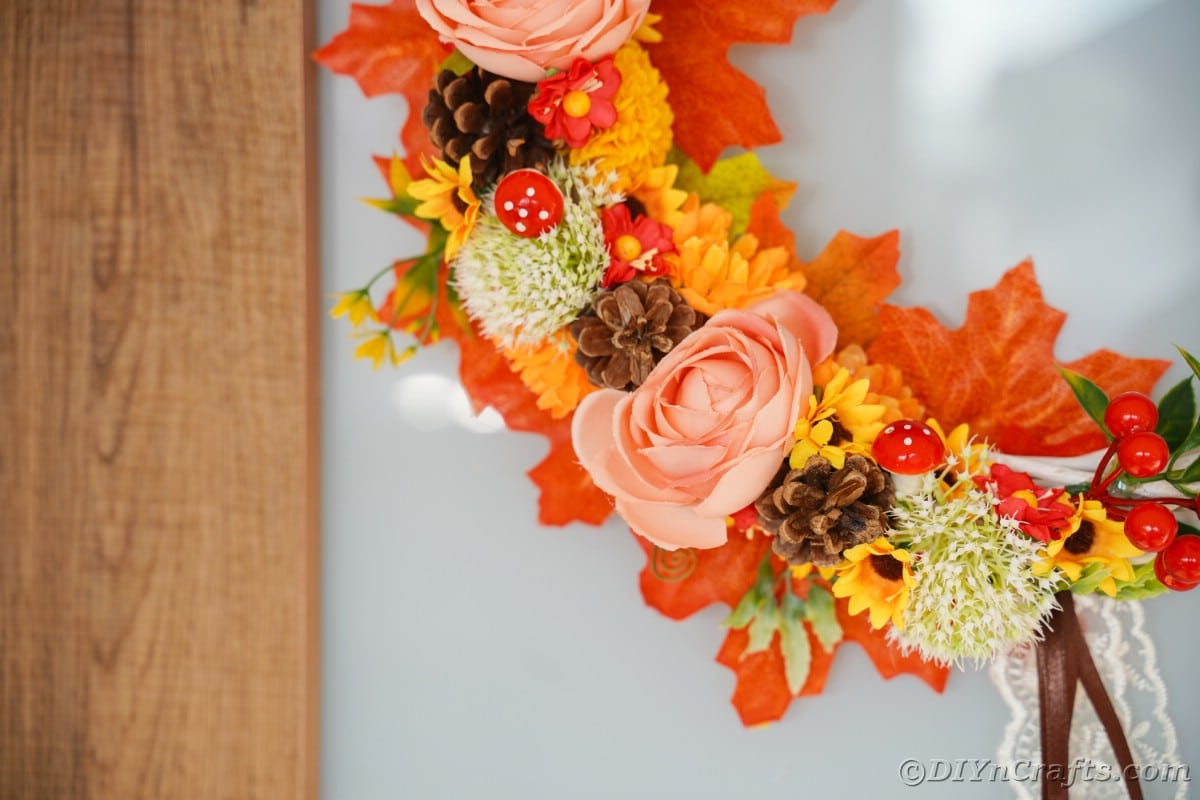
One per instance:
[(356, 303), (419, 283), (378, 346)]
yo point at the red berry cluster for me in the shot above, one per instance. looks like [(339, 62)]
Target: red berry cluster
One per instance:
[(1149, 525)]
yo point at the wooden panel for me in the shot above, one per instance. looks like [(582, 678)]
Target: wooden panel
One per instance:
[(158, 453)]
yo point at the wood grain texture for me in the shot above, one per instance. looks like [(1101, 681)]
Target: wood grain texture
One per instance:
[(158, 427)]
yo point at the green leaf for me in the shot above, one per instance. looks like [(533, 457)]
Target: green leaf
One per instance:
[(763, 588), (733, 183), (744, 611), (1144, 584), (457, 63), (762, 629), (1176, 412), (1190, 359), (404, 205), (1093, 575), (794, 644), (1090, 396), (1192, 442), (1190, 475), (821, 613)]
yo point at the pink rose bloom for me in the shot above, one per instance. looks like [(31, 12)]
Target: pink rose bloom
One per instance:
[(705, 433), (522, 39)]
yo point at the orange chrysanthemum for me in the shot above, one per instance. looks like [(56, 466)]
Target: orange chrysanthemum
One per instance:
[(548, 368), (887, 383), (708, 222), (716, 275)]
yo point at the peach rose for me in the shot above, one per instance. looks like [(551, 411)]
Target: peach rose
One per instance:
[(521, 39), (705, 433)]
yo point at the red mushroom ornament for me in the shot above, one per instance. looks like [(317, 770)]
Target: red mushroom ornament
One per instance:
[(528, 203), (908, 447)]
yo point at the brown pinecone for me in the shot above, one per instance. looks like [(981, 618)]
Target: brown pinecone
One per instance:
[(817, 512), (485, 116), (627, 330)]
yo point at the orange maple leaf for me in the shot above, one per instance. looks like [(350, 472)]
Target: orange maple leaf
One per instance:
[(723, 575), (850, 278), (567, 491), (716, 105), (761, 693), (997, 372), (718, 575), (390, 49)]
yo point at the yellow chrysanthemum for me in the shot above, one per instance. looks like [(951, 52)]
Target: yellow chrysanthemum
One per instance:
[(887, 383), (1097, 540), (846, 403), (437, 193), (878, 577), (356, 305), (641, 137), (548, 368), (716, 275), (662, 201)]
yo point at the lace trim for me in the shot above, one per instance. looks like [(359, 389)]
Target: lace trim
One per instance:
[(1128, 663)]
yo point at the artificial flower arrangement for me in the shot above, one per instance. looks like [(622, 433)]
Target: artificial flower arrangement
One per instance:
[(777, 438)]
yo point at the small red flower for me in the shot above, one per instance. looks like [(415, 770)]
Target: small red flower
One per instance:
[(636, 246), (1044, 514), (572, 103)]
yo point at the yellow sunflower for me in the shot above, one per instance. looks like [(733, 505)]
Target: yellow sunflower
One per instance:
[(1096, 540), (887, 383), (878, 577), (437, 193), (843, 402)]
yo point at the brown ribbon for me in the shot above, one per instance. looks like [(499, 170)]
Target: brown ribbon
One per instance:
[(1064, 662)]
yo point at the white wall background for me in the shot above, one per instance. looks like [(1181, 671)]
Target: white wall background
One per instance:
[(469, 652)]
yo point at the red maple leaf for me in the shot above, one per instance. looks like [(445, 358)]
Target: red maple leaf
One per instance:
[(567, 491), (997, 372), (390, 49), (693, 59)]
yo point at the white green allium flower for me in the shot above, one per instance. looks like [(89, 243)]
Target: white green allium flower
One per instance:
[(524, 289), (975, 595)]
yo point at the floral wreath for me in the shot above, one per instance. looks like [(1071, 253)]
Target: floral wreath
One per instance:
[(777, 438)]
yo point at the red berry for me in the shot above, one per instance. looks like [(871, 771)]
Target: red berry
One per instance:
[(908, 447), (1150, 527), (1167, 579), (528, 203), (1143, 454), (1130, 412), (1181, 559)]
